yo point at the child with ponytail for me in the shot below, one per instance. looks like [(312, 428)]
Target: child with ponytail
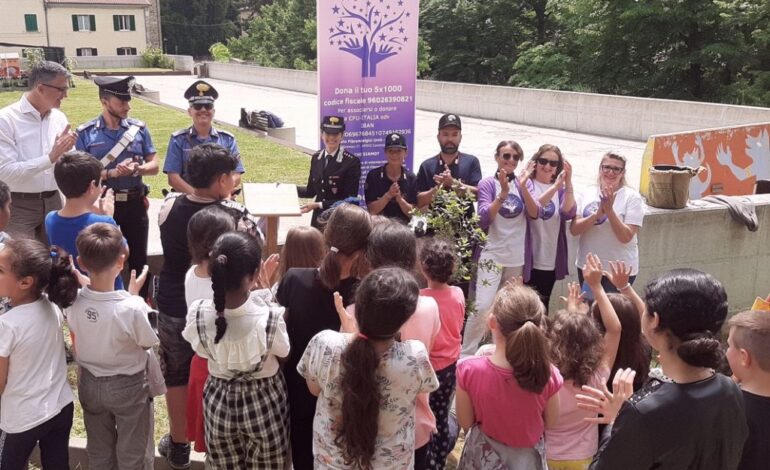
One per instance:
[(367, 382), (506, 400), (36, 400), (242, 337)]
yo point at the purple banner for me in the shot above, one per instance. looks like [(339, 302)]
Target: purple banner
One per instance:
[(367, 72)]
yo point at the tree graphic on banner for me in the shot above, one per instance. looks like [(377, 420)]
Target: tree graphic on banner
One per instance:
[(372, 30)]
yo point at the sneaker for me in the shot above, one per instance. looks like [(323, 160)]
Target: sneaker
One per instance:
[(177, 455)]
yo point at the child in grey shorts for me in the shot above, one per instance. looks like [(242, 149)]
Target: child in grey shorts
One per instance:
[(111, 337)]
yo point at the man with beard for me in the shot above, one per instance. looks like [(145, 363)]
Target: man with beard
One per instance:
[(34, 134), (201, 97), (124, 146), (450, 168)]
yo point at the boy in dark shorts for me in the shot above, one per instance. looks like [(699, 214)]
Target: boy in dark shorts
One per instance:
[(211, 170)]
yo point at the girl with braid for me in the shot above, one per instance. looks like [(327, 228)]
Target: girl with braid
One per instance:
[(242, 336)]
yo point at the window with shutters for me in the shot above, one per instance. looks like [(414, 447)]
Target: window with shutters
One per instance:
[(85, 51), (126, 51), (83, 23), (124, 22), (30, 21)]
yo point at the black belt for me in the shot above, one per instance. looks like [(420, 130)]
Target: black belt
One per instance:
[(125, 195), (43, 195)]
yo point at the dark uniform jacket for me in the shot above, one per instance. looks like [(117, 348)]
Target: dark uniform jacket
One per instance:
[(332, 178)]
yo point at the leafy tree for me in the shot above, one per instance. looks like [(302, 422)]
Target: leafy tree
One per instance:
[(191, 26), (283, 35)]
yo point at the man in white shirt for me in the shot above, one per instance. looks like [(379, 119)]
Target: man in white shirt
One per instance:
[(33, 135)]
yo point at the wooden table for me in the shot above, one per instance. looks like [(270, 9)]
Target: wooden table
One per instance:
[(271, 201)]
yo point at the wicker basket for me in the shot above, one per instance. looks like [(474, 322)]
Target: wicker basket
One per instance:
[(670, 186)]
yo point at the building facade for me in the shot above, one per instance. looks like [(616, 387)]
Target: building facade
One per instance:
[(82, 27)]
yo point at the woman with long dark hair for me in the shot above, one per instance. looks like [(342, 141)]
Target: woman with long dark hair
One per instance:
[(695, 421)]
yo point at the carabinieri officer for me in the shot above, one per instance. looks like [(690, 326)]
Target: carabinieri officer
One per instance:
[(201, 97), (391, 190), (124, 146), (334, 172)]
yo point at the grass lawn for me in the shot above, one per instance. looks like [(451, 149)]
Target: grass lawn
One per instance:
[(265, 161)]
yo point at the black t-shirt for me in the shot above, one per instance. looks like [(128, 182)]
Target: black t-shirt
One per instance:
[(309, 310), (694, 426), (756, 452), (378, 183), (176, 256)]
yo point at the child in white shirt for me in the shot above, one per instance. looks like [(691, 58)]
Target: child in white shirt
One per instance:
[(36, 398), (111, 336)]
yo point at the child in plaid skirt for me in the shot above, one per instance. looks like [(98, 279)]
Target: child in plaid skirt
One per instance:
[(245, 408)]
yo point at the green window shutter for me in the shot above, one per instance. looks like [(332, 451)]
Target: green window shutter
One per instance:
[(75, 23), (94, 51), (132, 22), (116, 22), (92, 20), (30, 21)]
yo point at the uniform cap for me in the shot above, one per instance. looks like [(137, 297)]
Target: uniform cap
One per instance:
[(333, 124), (118, 86), (201, 92), (449, 120), (395, 140)]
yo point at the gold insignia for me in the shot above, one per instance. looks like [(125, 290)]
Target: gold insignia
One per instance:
[(202, 88), (334, 120)]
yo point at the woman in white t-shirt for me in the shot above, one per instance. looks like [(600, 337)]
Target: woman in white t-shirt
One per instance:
[(552, 184), (36, 400), (505, 206), (609, 216)]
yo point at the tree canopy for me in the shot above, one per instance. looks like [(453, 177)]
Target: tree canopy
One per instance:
[(706, 50)]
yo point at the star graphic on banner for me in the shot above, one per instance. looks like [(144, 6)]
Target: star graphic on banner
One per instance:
[(385, 15), (341, 23), (400, 48), (331, 30), (382, 37), (401, 30), (405, 38), (407, 15), (376, 12), (336, 9), (400, 3), (339, 43), (360, 25), (368, 3), (387, 7), (331, 43), (391, 28)]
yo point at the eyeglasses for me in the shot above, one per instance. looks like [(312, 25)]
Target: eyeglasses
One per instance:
[(545, 161), (60, 89), (206, 106), (612, 169), (508, 156)]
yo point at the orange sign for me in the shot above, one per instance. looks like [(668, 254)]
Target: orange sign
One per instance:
[(733, 158)]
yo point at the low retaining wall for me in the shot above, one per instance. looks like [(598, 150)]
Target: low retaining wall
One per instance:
[(610, 115), (702, 236), (182, 63)]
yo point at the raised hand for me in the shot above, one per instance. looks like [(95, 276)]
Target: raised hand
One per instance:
[(135, 283), (606, 403), (64, 142), (592, 271), (267, 270), (502, 177), (618, 274), (526, 173), (105, 205), (574, 299), (348, 323)]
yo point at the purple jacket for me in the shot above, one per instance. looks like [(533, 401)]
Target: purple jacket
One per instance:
[(486, 196)]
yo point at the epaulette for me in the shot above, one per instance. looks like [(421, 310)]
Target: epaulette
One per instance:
[(222, 131), (347, 154), (172, 195), (135, 122), (86, 125), (181, 132)]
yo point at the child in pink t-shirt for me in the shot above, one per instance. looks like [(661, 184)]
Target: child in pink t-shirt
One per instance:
[(583, 357), (506, 400), (437, 262)]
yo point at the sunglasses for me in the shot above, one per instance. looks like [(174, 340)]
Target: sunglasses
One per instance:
[(206, 106), (508, 156), (545, 162), (60, 89), (612, 169)]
